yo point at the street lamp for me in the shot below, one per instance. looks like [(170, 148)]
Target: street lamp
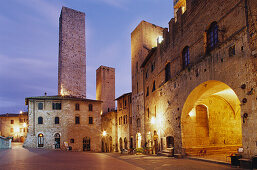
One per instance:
[(153, 120), (104, 133)]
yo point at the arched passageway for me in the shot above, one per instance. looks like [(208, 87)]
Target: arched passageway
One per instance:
[(211, 120)]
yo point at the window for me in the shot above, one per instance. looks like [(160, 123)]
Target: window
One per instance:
[(137, 87), (185, 57), (137, 66), (146, 74), (40, 120), (71, 140), (212, 36), (231, 51), (21, 120), (125, 102), (11, 130), (57, 106), (76, 106), (40, 106), (90, 120), (130, 99), (90, 107), (138, 122), (124, 121), (56, 120), (153, 66), (148, 113), (153, 86), (167, 72), (147, 91), (77, 120), (12, 121)]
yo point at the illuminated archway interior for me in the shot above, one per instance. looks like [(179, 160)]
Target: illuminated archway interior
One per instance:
[(211, 118)]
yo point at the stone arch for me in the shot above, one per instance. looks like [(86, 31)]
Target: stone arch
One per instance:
[(211, 117)]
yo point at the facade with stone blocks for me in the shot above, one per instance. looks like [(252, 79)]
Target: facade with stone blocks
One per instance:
[(72, 53), (197, 87), (105, 87), (143, 38), (14, 126), (60, 122), (124, 121), (109, 125)]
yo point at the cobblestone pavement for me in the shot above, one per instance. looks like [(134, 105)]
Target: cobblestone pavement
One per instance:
[(36, 159)]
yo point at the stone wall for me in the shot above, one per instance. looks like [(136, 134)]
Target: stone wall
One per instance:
[(67, 128), (109, 125), (124, 122), (237, 70), (17, 130), (143, 39), (72, 53)]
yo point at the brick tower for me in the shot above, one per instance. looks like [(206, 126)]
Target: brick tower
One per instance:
[(105, 87), (72, 53)]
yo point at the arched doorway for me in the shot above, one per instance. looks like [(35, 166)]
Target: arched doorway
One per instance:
[(120, 141), (40, 140), (139, 140), (211, 120), (57, 140), (125, 143), (86, 144), (110, 144)]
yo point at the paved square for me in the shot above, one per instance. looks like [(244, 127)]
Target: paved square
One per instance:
[(21, 158)]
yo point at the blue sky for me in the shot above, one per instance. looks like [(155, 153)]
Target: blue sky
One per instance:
[(29, 43)]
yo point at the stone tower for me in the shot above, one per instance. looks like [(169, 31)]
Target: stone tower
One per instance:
[(143, 39), (72, 53), (105, 87)]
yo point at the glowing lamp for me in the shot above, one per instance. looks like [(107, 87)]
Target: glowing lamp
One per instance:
[(24, 125), (153, 120), (159, 39), (16, 129), (104, 133), (20, 112)]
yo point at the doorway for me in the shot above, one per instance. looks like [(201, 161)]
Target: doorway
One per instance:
[(57, 140), (86, 144)]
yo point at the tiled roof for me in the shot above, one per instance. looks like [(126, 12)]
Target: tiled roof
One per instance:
[(13, 114), (123, 95), (58, 97)]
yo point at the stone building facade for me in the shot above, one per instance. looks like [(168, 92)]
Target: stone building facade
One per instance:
[(124, 122), (59, 122), (72, 53), (14, 126), (198, 86), (143, 38), (105, 87), (109, 125)]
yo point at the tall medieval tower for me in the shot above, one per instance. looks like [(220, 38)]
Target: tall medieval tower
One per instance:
[(105, 87), (143, 39), (72, 53)]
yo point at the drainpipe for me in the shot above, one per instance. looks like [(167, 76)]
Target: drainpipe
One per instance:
[(247, 20)]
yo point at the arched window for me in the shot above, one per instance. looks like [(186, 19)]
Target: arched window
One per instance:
[(56, 120), (90, 107), (212, 36), (185, 57), (138, 122), (125, 143), (40, 120)]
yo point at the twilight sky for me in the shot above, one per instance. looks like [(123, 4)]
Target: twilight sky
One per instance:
[(29, 43)]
